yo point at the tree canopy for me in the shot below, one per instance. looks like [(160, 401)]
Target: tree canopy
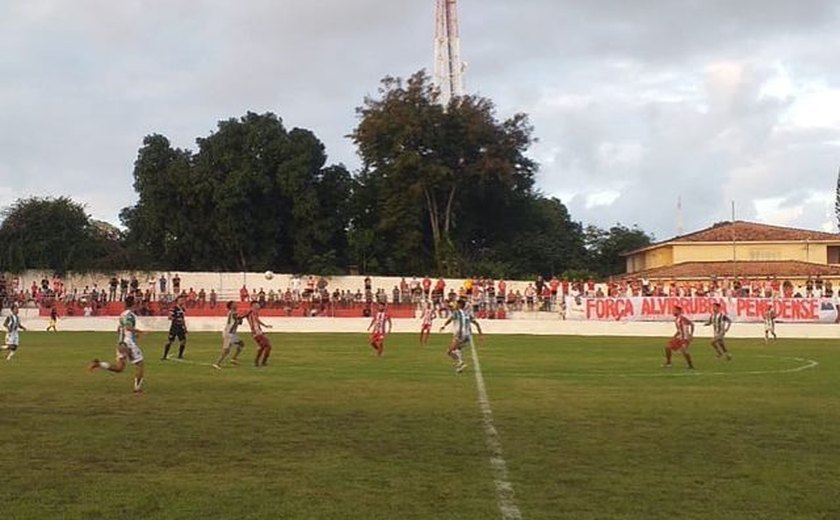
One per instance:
[(254, 196), (441, 191), (450, 190), (56, 234)]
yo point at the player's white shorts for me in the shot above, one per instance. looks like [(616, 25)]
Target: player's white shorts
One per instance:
[(231, 338), (12, 338), (129, 350), (769, 327), (718, 337)]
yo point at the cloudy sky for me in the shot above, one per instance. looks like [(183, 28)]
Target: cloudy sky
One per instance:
[(636, 104)]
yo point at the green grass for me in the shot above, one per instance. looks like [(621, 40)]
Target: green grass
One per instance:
[(591, 428)]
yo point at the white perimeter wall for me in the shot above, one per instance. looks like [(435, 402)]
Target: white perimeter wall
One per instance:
[(517, 326)]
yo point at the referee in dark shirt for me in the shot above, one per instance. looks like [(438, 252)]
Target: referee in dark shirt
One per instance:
[(177, 329)]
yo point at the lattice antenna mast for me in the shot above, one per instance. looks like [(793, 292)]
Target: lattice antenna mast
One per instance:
[(449, 69)]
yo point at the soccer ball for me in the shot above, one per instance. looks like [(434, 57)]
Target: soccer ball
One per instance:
[(269, 275)]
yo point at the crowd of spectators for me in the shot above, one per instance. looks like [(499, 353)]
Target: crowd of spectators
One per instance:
[(313, 294)]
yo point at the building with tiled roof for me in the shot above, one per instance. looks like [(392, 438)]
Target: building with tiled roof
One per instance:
[(739, 248)]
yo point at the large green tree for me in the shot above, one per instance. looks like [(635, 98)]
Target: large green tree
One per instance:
[(58, 235), (606, 246), (253, 196), (436, 181)]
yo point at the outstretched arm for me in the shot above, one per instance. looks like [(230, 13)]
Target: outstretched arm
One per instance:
[(447, 322)]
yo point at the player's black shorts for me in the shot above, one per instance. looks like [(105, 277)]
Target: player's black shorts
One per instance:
[(178, 332)]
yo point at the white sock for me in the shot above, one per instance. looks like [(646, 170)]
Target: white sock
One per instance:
[(11, 355), (138, 384), (105, 365), (459, 356)]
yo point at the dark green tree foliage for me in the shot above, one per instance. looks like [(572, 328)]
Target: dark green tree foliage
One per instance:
[(254, 196), (56, 234), (605, 247), (451, 191)]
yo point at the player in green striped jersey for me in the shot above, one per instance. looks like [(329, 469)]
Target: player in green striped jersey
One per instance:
[(720, 323)]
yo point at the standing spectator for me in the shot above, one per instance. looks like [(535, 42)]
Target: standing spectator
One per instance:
[(134, 285), (213, 298), (243, 294), (367, 284), (427, 287), (403, 291), (162, 284), (202, 298), (538, 285), (112, 288), (396, 295), (176, 284), (123, 288)]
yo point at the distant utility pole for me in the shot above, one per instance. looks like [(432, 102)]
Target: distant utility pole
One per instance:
[(449, 69)]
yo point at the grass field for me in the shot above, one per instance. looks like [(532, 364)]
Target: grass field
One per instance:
[(591, 428)]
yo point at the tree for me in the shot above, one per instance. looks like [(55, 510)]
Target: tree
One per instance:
[(253, 196), (54, 234), (423, 164), (606, 247)]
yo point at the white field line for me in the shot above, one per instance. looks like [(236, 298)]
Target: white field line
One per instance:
[(504, 489)]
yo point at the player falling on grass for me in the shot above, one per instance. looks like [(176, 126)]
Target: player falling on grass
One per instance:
[(381, 327), (769, 324), (682, 338), (263, 345), (230, 337), (462, 322), (13, 327), (720, 323), (428, 317), (127, 347), (177, 328), (53, 320)]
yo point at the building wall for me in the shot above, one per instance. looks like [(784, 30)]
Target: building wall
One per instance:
[(750, 251), (651, 259)]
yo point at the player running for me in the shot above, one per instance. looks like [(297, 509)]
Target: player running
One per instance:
[(263, 345), (381, 325), (177, 329), (13, 327), (682, 338), (127, 347), (428, 316), (769, 324), (230, 337), (720, 323), (462, 322)]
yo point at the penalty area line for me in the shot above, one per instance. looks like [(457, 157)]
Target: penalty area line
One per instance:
[(504, 489)]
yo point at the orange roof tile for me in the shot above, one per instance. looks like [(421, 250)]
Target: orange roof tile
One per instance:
[(705, 270), (741, 231)]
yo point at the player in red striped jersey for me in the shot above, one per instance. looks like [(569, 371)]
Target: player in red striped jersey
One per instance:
[(682, 338), (381, 325), (428, 316), (263, 345)]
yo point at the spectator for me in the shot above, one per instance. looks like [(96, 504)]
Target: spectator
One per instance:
[(123, 288), (396, 295), (202, 298), (243, 294), (176, 284), (112, 288), (162, 284), (213, 298)]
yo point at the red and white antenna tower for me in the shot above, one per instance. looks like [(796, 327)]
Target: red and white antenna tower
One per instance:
[(449, 69)]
